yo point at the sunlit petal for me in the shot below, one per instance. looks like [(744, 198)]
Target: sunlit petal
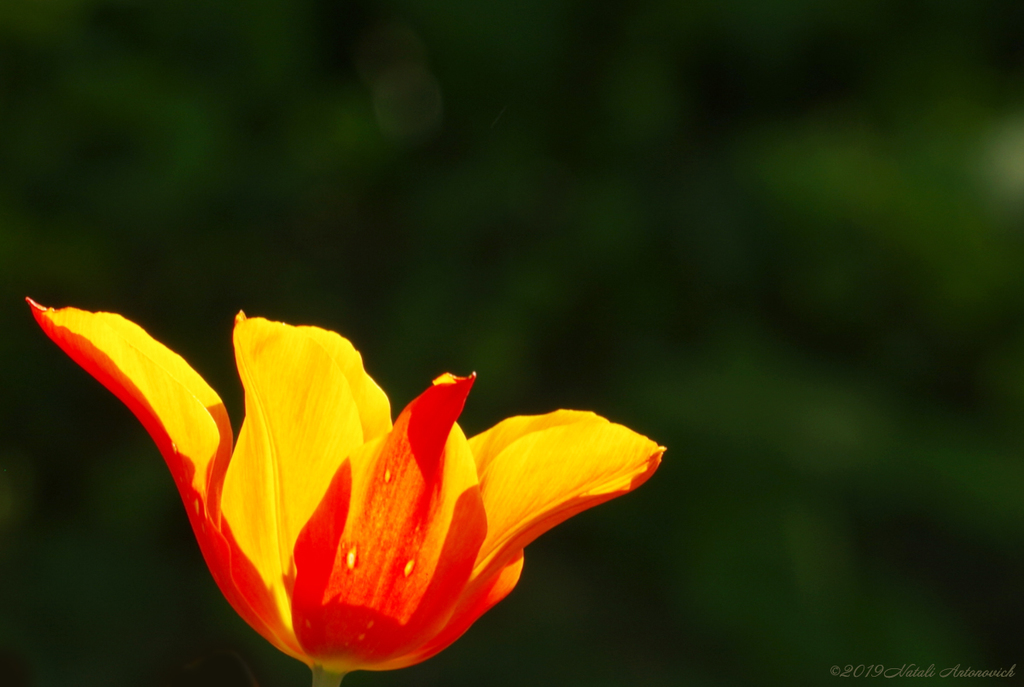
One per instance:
[(371, 402), (177, 407), (301, 422), (415, 524), (190, 427), (487, 445), (545, 476)]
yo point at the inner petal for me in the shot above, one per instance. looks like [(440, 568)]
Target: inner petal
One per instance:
[(391, 577), (301, 422)]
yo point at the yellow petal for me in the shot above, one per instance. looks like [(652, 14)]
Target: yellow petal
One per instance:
[(301, 421), (189, 425), (488, 444), (371, 402), (545, 476), (185, 417)]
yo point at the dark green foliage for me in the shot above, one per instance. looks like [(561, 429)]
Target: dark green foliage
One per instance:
[(785, 239)]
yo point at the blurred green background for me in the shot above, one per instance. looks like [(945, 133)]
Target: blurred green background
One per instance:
[(783, 238)]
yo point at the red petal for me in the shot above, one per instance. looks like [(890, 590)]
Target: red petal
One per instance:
[(387, 581)]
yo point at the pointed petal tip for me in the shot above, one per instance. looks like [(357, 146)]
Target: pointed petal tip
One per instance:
[(448, 378), (39, 312), (35, 306), (653, 463), (240, 317), (454, 389), (654, 460), (656, 457)]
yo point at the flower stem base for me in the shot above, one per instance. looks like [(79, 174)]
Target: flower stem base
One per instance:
[(322, 678)]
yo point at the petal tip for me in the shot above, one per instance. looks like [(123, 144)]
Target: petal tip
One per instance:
[(35, 306), (448, 378), (240, 317), (653, 463)]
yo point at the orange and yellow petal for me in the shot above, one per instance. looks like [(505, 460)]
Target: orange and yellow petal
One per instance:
[(302, 420), (558, 465), (185, 417), (190, 427), (536, 471), (244, 588), (387, 582)]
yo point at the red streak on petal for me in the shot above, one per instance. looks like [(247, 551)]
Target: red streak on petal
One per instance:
[(429, 419), (331, 630), (316, 549), (372, 611)]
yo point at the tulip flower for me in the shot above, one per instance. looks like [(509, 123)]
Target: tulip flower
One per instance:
[(349, 542)]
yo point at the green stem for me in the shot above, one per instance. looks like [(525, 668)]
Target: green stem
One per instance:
[(322, 678)]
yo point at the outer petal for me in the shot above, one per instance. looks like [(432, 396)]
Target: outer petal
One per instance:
[(487, 445), (190, 426), (551, 471), (537, 470), (384, 584), (302, 420), (185, 417)]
